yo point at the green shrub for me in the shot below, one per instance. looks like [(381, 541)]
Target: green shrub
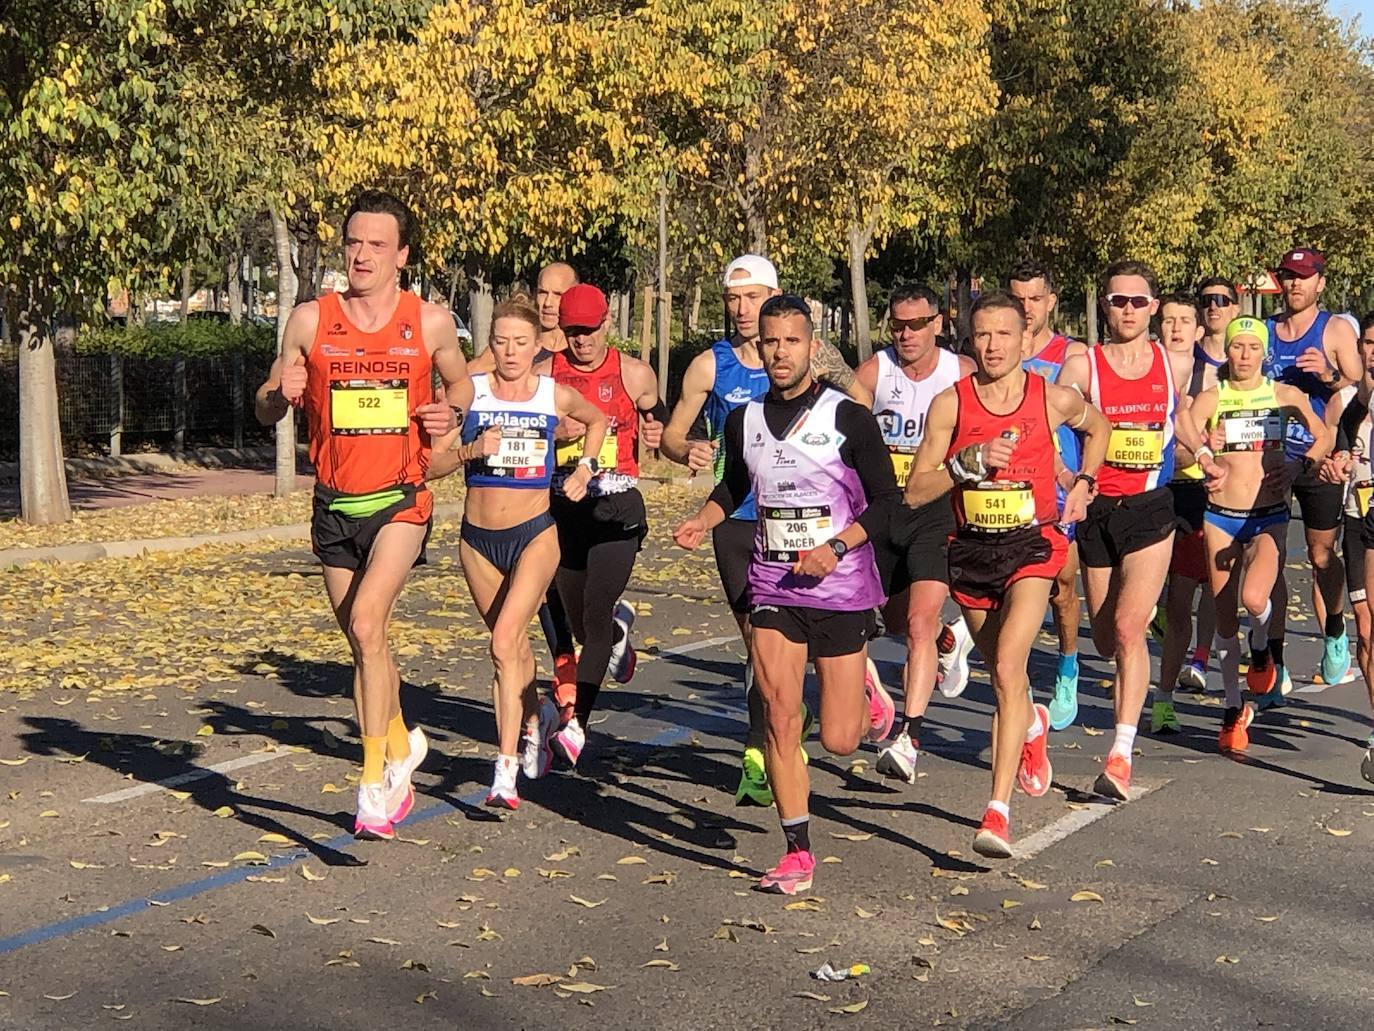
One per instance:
[(199, 338)]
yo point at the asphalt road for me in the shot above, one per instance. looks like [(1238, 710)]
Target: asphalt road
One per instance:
[(154, 872)]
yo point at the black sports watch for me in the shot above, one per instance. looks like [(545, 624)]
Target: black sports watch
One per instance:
[(1087, 478), (839, 547)]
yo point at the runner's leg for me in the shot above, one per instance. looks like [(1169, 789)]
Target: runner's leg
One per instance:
[(591, 601), (779, 670), (1225, 562), (1011, 640)]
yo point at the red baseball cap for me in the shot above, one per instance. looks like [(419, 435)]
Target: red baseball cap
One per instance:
[(583, 305), (1303, 262)]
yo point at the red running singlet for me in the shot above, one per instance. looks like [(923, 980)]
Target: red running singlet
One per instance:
[(1140, 451)]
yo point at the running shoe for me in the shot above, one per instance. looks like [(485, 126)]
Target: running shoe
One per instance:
[(1115, 779), (1367, 763), (536, 757), (791, 876), (753, 780), (899, 759), (622, 665), (881, 710), (1193, 677), (1336, 659), (1234, 724), (953, 644), (1064, 705), (1163, 719), (400, 795), (568, 741), (503, 794), (993, 839), (1035, 772), (1285, 681), (565, 683), (1261, 676), (372, 820), (1159, 625), (808, 722)]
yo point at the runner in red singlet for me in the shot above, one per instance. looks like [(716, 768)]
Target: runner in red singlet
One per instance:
[(1126, 539), (360, 363), (990, 438)]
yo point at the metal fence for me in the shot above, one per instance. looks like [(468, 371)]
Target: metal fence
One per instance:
[(109, 404)]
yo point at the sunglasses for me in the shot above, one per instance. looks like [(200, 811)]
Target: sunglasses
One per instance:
[(1136, 301), (1216, 301), (579, 331), (915, 325)]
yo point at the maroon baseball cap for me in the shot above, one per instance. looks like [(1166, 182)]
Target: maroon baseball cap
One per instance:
[(1303, 262), (583, 305)]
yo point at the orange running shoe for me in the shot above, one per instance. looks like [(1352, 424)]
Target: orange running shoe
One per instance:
[(565, 682), (1115, 779), (1262, 675), (1234, 735), (993, 839)]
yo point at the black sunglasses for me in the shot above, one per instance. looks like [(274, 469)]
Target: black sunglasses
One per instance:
[(1217, 301), (915, 325), (1136, 301)]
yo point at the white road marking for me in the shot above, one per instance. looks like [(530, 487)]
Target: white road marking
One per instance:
[(139, 790), (1033, 844), (185, 778)]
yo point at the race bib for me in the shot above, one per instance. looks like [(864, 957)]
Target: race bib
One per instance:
[(523, 453), (1136, 447), (787, 532), (569, 452), (359, 407), (997, 507), (902, 462), (1363, 493), (1252, 431)]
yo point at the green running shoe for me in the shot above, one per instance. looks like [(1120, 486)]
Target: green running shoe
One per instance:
[(1159, 625), (1163, 719), (753, 780)]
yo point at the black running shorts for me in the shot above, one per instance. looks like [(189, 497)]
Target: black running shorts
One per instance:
[(597, 520), (915, 547), (826, 634), (1119, 526), (733, 541)]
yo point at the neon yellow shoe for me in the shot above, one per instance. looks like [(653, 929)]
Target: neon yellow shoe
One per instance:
[(753, 780)]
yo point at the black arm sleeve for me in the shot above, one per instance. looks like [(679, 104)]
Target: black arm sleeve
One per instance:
[(734, 485), (1348, 426), (863, 451)]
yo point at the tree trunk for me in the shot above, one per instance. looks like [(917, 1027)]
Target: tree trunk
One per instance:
[(694, 310), (453, 286), (626, 311), (42, 476), (307, 265), (755, 220), (185, 293), (844, 325), (285, 480), (964, 299), (859, 237), (646, 324), (234, 285), (480, 305), (1090, 304), (665, 300)]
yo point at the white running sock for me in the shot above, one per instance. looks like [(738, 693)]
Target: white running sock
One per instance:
[(1259, 628), (1000, 807), (1036, 729), (1228, 658), (1125, 739)]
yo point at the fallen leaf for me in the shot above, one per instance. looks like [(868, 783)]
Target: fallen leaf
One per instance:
[(323, 921), (170, 948), (1037, 959), (263, 930), (384, 941), (853, 1007), (334, 789), (1337, 832), (311, 875), (19, 762), (582, 987), (1104, 862), (223, 812), (863, 914), (811, 995), (420, 999), (662, 963), (205, 730), (1227, 959), (810, 905), (1086, 896), (273, 838), (60, 998), (725, 934), (852, 836), (200, 1002), (662, 946), (1010, 903), (1266, 919), (583, 902), (630, 861), (250, 857), (77, 864), (1139, 1001), (536, 980), (553, 874)]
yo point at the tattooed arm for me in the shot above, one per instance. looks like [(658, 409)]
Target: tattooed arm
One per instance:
[(829, 365)]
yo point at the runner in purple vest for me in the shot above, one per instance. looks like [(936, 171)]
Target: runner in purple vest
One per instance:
[(817, 466)]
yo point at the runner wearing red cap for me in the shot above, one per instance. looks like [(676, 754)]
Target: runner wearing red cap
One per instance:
[(1317, 354), (605, 529), (361, 363)]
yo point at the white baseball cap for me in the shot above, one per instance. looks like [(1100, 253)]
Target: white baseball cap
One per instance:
[(758, 271)]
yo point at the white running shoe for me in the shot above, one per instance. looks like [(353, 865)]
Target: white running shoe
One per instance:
[(372, 821), (952, 673), (567, 743), (621, 668), (400, 795), (899, 759), (537, 756), (1193, 678), (503, 794)]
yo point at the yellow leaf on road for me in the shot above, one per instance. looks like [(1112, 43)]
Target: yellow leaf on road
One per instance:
[(1086, 896)]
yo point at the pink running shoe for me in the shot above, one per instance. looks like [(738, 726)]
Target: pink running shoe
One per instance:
[(567, 743), (400, 796), (1035, 772), (503, 794), (372, 821), (791, 876), (881, 710)]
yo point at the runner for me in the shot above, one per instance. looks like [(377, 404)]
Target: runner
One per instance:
[(816, 463), (1127, 536), (1350, 463), (1033, 285), (1181, 331), (717, 382), (991, 439), (904, 378), (1246, 418), (605, 529), (1315, 353), (360, 363), (508, 545)]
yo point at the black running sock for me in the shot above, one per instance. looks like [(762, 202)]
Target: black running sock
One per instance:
[(798, 834), (1335, 624), (1276, 650), (757, 723), (911, 727), (586, 698)]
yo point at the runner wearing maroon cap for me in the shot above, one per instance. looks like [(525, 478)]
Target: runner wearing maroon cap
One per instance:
[(1317, 354), (605, 529)]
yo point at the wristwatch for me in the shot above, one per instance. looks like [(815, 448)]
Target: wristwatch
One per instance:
[(591, 463), (839, 547), (1087, 478)]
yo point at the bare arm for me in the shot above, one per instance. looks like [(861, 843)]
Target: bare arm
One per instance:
[(829, 365), (1075, 374), (274, 398), (929, 477), (1296, 403), (447, 356), (1342, 352), (696, 385)]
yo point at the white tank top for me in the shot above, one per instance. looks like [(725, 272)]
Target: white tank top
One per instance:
[(901, 403)]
